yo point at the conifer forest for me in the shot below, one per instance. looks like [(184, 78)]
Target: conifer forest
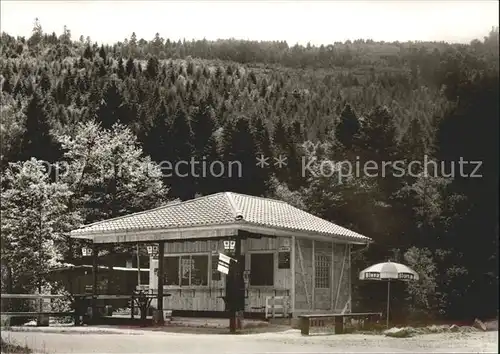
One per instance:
[(72, 108)]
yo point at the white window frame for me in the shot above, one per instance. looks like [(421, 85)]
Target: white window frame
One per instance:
[(322, 270), (179, 273)]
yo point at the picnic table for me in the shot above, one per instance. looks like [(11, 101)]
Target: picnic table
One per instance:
[(82, 303)]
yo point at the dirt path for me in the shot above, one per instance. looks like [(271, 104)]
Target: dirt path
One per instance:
[(284, 342)]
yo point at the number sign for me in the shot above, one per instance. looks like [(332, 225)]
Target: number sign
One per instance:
[(229, 245)]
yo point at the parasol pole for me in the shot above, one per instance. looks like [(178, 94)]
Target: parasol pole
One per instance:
[(388, 300)]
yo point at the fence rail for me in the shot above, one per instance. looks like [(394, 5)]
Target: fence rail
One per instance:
[(43, 303), (32, 296)]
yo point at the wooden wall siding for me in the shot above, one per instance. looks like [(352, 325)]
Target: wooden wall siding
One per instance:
[(250, 244), (256, 300), (303, 274), (341, 290), (203, 246), (205, 299), (264, 243), (208, 298)]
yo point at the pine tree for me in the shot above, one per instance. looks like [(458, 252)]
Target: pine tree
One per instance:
[(281, 144), (348, 128), (152, 68), (130, 67), (379, 145), (88, 53), (264, 149), (157, 139), (240, 152), (205, 148), (12, 131), (102, 53), (181, 147), (413, 145), (108, 111), (293, 162), (379, 135), (121, 70), (37, 140)]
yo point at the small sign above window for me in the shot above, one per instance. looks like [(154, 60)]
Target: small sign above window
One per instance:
[(229, 245)]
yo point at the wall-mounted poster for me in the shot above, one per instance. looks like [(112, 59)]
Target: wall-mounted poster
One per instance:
[(283, 260)]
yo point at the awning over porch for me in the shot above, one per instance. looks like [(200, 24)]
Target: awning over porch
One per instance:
[(217, 215)]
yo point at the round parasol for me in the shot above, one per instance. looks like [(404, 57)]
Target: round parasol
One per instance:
[(388, 271)]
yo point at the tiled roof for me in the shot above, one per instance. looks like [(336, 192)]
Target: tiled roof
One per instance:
[(222, 209)]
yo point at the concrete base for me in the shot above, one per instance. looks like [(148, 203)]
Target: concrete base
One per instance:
[(42, 321), (158, 317), (214, 322)]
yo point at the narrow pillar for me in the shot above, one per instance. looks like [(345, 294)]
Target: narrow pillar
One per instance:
[(239, 283), (292, 269), (161, 258)]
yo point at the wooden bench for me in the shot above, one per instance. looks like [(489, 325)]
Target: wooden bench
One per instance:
[(319, 320), (276, 306)]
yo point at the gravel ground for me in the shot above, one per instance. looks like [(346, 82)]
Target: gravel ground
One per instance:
[(289, 341)]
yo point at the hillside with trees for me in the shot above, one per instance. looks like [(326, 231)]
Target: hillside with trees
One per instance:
[(85, 108)]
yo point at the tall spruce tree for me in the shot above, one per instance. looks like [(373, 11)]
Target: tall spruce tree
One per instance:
[(181, 147), (264, 150), (348, 127), (38, 140), (108, 112), (240, 152), (205, 149)]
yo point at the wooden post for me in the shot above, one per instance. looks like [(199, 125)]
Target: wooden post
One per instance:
[(332, 267), (350, 281), (313, 284), (237, 274), (161, 256), (95, 252), (341, 277), (292, 267), (138, 266), (304, 326), (339, 324), (304, 275), (132, 307)]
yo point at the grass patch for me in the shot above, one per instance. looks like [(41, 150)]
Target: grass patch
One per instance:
[(8, 347)]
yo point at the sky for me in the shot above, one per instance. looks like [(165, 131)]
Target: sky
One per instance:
[(317, 22)]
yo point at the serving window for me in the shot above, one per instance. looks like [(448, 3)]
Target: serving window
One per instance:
[(186, 270)]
